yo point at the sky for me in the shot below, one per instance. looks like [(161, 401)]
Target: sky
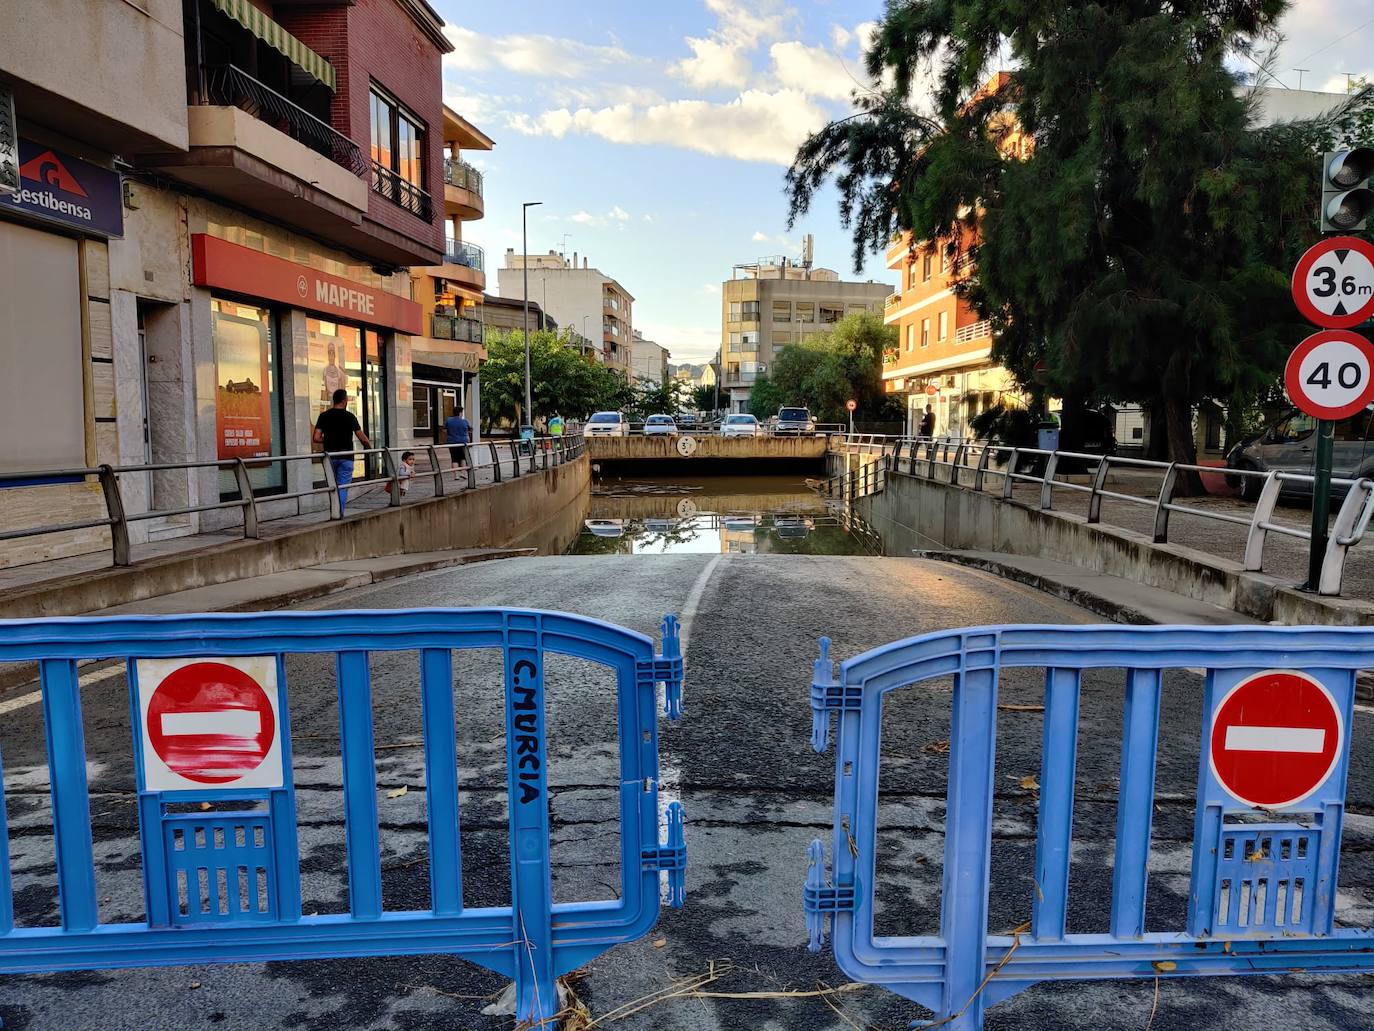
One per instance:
[(656, 133)]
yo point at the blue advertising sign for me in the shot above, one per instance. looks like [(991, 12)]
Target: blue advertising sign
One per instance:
[(58, 187)]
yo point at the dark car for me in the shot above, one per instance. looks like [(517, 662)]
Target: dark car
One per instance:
[(794, 422), (1289, 445)]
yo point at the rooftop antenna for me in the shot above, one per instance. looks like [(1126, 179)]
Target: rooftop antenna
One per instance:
[(1300, 71), (563, 248), (1348, 77)]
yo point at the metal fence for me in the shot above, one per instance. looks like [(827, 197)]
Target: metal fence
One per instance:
[(520, 456), (974, 464)]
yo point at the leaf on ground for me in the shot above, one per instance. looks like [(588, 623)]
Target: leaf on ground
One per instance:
[(1030, 783), (940, 747), (398, 792), (660, 942)]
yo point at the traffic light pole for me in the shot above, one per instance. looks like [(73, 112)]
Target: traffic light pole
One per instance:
[(1321, 502)]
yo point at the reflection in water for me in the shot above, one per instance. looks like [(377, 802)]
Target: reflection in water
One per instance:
[(740, 514)]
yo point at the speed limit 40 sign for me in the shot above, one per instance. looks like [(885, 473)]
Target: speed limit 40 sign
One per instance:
[(1333, 283), (1330, 375)]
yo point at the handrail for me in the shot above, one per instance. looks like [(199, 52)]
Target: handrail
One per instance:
[(401, 191), (459, 173), (542, 452), (1352, 521), (460, 252)]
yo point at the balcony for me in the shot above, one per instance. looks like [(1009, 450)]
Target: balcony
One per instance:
[(231, 86), (401, 192), (892, 301), (465, 264), (456, 327), (462, 190), (975, 331)]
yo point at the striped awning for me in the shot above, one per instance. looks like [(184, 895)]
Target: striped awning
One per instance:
[(276, 37)]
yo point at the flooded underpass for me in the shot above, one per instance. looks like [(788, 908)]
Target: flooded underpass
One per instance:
[(769, 514)]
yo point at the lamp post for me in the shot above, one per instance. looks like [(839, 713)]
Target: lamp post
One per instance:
[(585, 339), (525, 268)]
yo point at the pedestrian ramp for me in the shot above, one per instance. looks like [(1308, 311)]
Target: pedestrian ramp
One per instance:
[(217, 816), (1270, 803)]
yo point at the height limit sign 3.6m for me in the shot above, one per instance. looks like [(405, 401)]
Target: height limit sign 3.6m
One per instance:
[(1333, 283)]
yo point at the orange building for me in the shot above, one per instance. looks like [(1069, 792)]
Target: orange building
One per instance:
[(944, 351)]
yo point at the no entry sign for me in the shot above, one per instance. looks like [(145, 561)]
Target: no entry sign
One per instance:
[(1333, 283), (210, 723), (1330, 375), (1276, 737)]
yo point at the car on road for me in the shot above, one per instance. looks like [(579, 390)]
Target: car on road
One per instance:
[(607, 424), (606, 527), (660, 426), (794, 422), (1289, 445), (739, 425)]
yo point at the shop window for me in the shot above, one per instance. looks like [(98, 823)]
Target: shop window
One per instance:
[(248, 421)]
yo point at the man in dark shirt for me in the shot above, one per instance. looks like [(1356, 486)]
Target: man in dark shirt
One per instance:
[(457, 435), (334, 430), (927, 423)]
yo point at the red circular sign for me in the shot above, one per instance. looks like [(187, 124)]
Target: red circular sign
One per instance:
[(211, 723), (1333, 283), (1276, 737), (851, 405), (1330, 375), (932, 390)]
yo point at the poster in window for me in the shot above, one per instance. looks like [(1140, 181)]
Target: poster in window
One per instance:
[(243, 412)]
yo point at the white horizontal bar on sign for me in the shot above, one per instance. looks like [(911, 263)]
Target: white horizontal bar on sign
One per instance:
[(233, 722), (1275, 739)]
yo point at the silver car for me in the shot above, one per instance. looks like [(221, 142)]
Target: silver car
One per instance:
[(660, 426), (1289, 445)]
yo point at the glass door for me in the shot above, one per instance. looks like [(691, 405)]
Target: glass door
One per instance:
[(374, 396)]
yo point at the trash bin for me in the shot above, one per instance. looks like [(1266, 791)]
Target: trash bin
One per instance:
[(1048, 436), (527, 439)]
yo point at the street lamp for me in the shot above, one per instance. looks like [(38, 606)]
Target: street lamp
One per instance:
[(585, 338), (525, 267)]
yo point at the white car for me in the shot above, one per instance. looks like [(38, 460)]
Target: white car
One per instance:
[(606, 527), (739, 426), (660, 426), (607, 424)]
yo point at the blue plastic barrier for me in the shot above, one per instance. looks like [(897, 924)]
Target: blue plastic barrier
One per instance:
[(211, 725), (1276, 717)]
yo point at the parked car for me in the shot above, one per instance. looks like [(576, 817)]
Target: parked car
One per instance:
[(1289, 445), (660, 426), (739, 426), (608, 424), (794, 422), (606, 527)]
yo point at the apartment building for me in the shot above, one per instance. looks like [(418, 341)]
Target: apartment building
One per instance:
[(446, 359), (773, 302), (579, 297), (648, 360), (209, 240)]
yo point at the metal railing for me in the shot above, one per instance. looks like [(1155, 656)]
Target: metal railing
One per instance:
[(401, 192), (891, 301), (521, 456), (976, 331), (459, 173), (231, 86), (456, 327), (458, 252), (969, 463)]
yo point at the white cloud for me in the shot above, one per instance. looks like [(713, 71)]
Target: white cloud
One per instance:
[(722, 59), (750, 22), (714, 63), (710, 288), (756, 126), (759, 236), (536, 55), (586, 218), (476, 107), (814, 70), (619, 214), (780, 241), (647, 217)]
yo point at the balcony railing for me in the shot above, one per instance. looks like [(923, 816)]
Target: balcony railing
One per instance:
[(459, 253), (231, 86), (456, 327), (976, 331), (461, 174), (401, 192), (892, 301)]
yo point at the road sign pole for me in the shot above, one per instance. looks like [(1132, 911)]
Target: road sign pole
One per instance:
[(1321, 501)]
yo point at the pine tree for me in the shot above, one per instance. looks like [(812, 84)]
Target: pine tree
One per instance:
[(1138, 247)]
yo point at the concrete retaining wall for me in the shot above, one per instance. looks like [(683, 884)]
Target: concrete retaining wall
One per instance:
[(514, 513), (916, 514)]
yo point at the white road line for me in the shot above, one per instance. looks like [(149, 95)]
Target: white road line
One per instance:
[(1275, 739), (34, 697), (689, 607), (233, 722)]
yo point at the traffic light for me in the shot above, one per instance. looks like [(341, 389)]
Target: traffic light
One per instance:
[(1346, 197)]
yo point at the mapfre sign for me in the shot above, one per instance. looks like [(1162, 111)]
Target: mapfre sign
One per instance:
[(242, 270)]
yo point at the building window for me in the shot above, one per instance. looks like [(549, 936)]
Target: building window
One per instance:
[(749, 311), (925, 332), (944, 325), (782, 311), (782, 337), (925, 267), (944, 260), (734, 311), (398, 149), (734, 340), (806, 311), (831, 312), (750, 340)]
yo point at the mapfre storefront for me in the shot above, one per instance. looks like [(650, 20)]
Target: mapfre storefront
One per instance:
[(272, 320)]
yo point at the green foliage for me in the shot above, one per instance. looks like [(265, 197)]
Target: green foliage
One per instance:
[(704, 398), (665, 398), (828, 369), (1007, 424), (1140, 245), (562, 379)]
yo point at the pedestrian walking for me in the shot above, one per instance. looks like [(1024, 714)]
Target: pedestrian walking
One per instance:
[(334, 432), (457, 434), (556, 425), (928, 423)]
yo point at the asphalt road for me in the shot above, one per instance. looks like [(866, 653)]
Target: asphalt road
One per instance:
[(754, 792)]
